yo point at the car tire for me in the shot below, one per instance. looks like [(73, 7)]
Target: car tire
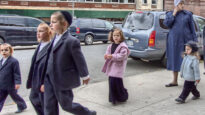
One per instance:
[(134, 58), (104, 42), (1, 40), (88, 39)]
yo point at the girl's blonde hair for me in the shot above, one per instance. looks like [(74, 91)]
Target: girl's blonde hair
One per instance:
[(110, 37), (7, 45), (48, 30)]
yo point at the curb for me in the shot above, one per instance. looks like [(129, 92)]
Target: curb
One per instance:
[(35, 46)]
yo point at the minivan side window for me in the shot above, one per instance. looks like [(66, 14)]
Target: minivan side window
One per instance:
[(85, 23), (98, 24), (16, 21), (108, 25), (161, 20), (201, 23), (2, 21), (33, 22)]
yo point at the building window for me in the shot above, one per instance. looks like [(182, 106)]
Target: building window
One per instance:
[(131, 1), (144, 1), (154, 2), (114, 0), (89, 0), (103, 1), (97, 0)]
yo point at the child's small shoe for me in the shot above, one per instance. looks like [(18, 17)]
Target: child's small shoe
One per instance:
[(194, 98), (179, 100)]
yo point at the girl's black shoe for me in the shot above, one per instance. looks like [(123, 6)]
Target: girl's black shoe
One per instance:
[(179, 100)]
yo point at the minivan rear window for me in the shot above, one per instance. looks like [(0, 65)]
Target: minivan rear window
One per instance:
[(139, 21), (73, 23), (85, 23)]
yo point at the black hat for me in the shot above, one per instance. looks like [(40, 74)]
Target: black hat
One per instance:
[(193, 46), (67, 16)]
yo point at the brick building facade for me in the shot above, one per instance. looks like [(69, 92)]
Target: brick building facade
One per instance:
[(195, 6), (106, 9)]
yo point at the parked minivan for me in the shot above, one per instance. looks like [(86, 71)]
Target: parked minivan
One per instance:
[(146, 35), (18, 30), (89, 30)]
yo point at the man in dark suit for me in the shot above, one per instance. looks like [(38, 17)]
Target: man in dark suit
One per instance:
[(204, 45), (65, 66), (10, 78), (35, 80)]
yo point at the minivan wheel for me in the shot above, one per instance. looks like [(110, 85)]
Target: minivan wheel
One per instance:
[(164, 61), (88, 39), (1, 40), (135, 58), (104, 42)]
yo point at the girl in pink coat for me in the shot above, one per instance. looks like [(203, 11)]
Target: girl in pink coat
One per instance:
[(115, 64)]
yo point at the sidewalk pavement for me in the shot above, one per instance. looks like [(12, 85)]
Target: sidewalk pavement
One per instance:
[(147, 96)]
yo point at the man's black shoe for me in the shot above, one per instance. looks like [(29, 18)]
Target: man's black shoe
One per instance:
[(20, 110), (194, 98)]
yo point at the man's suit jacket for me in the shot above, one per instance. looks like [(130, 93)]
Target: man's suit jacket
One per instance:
[(10, 74), (204, 36), (35, 79), (68, 63)]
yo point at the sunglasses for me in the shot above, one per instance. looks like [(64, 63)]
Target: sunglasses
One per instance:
[(4, 50)]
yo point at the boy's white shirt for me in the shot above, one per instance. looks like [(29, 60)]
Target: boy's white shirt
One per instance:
[(4, 60), (42, 45), (58, 37)]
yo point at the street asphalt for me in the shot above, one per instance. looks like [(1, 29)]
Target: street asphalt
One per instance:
[(147, 96)]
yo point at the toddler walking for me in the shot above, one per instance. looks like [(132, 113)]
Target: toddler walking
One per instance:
[(115, 64), (10, 78), (190, 72)]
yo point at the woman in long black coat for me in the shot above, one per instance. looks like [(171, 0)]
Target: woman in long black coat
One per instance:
[(182, 30)]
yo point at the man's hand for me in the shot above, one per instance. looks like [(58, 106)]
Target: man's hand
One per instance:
[(86, 81), (42, 88), (17, 86)]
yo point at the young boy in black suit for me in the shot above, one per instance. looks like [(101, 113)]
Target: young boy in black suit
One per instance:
[(35, 81), (65, 66), (10, 78), (204, 46)]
